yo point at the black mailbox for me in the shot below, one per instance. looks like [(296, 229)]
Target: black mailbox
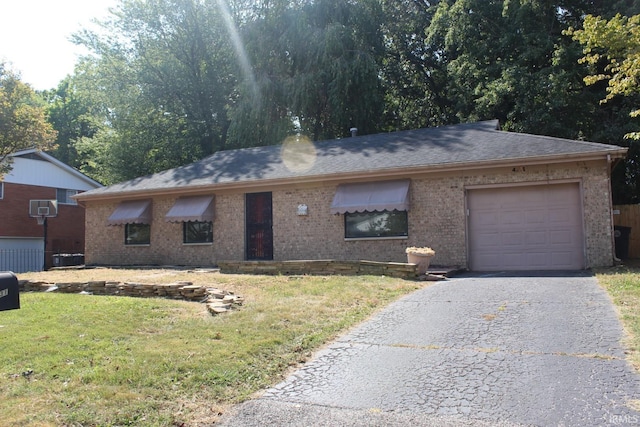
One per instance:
[(9, 292)]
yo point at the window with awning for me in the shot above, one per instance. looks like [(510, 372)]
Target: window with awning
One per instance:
[(131, 212), (374, 209), (191, 209), (371, 197)]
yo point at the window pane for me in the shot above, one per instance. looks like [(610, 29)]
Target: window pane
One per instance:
[(376, 224), (137, 234), (198, 232), (71, 193), (63, 196)]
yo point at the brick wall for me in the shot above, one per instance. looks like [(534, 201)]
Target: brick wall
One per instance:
[(15, 209), (228, 227), (105, 243), (65, 233), (436, 219), (320, 235)]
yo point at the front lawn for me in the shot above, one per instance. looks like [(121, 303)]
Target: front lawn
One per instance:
[(623, 285), (70, 359)]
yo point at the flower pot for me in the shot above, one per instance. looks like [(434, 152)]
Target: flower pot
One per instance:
[(421, 260)]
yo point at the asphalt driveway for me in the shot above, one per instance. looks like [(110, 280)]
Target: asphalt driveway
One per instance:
[(492, 349)]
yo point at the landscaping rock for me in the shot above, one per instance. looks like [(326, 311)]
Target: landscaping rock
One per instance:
[(321, 267), (216, 310), (217, 300)]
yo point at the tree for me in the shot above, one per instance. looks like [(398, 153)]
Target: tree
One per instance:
[(173, 81), (612, 51), (316, 67), (614, 43), (507, 60), (23, 122), (73, 114), (451, 61), (413, 72), (165, 72)]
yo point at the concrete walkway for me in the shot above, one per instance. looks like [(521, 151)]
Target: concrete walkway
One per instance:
[(474, 350)]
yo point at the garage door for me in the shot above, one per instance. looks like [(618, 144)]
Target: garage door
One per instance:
[(526, 228)]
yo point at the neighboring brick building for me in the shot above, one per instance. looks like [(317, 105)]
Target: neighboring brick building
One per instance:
[(484, 199), (38, 176)]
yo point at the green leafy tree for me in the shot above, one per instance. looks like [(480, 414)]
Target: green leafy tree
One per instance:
[(612, 52), (172, 81), (74, 115), (79, 110), (506, 60), (614, 43), (165, 73), (317, 71), (413, 71), (23, 121)]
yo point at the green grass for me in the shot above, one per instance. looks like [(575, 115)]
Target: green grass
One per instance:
[(87, 360), (623, 285)]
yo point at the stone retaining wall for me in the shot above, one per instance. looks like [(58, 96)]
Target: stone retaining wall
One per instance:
[(321, 267), (217, 300)]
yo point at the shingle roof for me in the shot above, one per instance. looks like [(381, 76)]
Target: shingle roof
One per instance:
[(462, 145)]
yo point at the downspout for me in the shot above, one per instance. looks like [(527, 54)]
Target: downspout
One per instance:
[(612, 231)]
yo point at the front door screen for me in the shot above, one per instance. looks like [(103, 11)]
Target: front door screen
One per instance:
[(259, 229)]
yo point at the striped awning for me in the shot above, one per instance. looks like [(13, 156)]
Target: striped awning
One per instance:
[(193, 208), (371, 197), (131, 212)]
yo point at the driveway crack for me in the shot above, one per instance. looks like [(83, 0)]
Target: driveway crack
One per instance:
[(494, 350)]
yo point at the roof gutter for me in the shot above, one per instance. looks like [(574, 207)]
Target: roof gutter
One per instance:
[(359, 175)]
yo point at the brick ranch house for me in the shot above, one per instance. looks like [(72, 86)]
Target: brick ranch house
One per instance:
[(482, 198), (36, 175)]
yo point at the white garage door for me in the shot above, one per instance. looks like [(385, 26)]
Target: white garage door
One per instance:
[(21, 254), (526, 228)]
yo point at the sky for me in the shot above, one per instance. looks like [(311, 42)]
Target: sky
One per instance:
[(34, 36)]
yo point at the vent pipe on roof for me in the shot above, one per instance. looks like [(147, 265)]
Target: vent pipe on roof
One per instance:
[(354, 131)]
